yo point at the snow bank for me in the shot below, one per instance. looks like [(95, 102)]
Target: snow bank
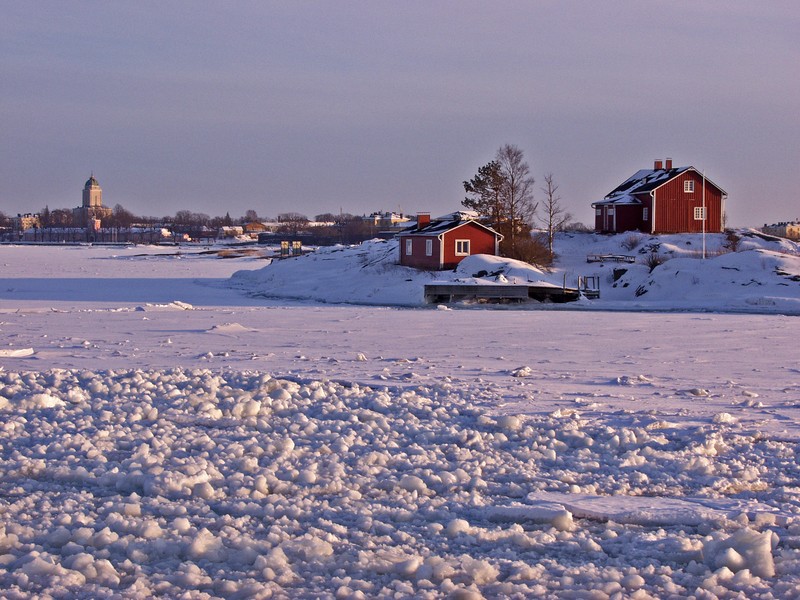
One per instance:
[(762, 276), (365, 274)]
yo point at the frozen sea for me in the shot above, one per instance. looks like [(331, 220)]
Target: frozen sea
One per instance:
[(165, 433)]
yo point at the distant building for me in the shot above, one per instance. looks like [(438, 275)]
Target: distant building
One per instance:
[(255, 227), (385, 220), (26, 221), (663, 200), (91, 210), (444, 242), (788, 229), (230, 231)]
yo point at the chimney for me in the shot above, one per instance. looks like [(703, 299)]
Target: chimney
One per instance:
[(657, 165), (669, 164), (423, 219)]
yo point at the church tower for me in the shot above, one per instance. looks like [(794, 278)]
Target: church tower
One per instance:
[(92, 193), (91, 211)]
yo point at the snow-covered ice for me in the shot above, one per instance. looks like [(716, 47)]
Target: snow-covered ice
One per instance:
[(163, 433)]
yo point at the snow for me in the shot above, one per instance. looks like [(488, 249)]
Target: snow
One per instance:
[(169, 430), (762, 277)]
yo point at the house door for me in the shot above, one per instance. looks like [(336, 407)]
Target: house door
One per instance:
[(609, 219)]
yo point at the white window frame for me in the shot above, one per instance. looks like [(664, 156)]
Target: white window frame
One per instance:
[(462, 247), (688, 186), (409, 246), (699, 213), (610, 210), (428, 247), (597, 212), (645, 213)]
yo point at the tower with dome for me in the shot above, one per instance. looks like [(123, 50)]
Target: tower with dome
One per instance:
[(91, 211)]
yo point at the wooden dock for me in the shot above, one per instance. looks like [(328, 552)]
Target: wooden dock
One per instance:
[(442, 293), (618, 258)]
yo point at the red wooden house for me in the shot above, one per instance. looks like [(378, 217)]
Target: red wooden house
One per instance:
[(444, 242), (664, 199)]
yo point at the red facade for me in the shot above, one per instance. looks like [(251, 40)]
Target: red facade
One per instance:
[(625, 217), (663, 201), (444, 248), (674, 209)]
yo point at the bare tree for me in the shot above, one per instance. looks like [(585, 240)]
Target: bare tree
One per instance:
[(517, 196), (292, 222), (326, 218), (191, 219), (121, 218), (555, 217), (61, 217), (502, 193)]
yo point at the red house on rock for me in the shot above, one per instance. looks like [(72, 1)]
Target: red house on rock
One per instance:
[(444, 242), (663, 200)]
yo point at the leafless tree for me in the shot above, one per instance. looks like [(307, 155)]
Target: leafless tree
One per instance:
[(517, 193), (121, 218), (61, 217), (187, 218), (554, 217), (326, 218), (502, 193), (292, 222)]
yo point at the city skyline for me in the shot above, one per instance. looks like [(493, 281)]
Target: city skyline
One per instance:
[(312, 108)]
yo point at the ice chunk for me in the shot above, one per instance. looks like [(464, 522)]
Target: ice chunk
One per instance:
[(412, 483), (208, 546), (509, 422), (457, 526), (745, 549), (554, 514), (522, 372), (16, 352)]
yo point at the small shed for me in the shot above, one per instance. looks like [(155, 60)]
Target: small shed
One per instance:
[(444, 242)]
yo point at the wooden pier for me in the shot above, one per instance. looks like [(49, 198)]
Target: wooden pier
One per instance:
[(442, 293), (618, 258)]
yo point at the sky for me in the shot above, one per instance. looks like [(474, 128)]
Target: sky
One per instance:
[(317, 107)]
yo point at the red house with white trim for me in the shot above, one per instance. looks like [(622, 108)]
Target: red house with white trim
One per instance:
[(664, 199), (444, 242)]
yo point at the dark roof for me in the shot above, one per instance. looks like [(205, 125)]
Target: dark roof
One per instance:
[(91, 182), (444, 224), (644, 181)]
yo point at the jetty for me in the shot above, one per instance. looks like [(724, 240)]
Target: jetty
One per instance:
[(443, 293)]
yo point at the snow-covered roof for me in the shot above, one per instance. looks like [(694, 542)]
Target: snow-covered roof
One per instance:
[(644, 181), (447, 222)]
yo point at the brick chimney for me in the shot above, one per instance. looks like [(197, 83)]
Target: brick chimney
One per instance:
[(423, 219), (657, 165), (668, 164)]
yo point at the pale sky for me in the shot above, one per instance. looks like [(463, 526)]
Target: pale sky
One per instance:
[(362, 106)]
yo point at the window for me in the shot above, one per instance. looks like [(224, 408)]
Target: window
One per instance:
[(409, 247), (688, 186), (699, 213), (644, 214), (610, 210), (597, 212), (428, 247), (462, 247)]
